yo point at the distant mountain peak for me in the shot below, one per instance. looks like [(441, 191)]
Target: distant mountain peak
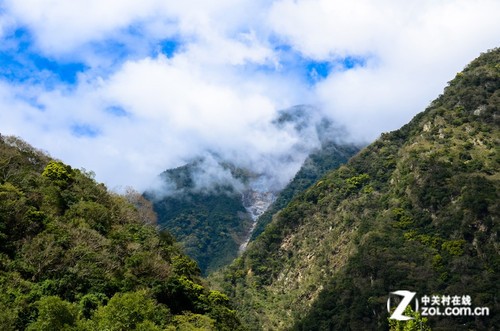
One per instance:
[(212, 205)]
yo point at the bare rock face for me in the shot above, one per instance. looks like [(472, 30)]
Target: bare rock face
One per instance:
[(256, 203)]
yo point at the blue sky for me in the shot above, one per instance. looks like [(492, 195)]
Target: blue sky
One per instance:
[(22, 61), (129, 88)]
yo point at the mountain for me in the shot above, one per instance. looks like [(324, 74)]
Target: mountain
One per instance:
[(211, 223), (329, 156), (75, 257), (416, 210), (214, 207)]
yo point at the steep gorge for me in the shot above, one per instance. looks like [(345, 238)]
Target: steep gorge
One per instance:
[(256, 203), (215, 208)]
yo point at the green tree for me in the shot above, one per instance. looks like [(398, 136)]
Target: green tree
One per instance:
[(55, 314), (7, 318), (418, 323), (129, 311), (192, 322), (59, 172), (67, 245)]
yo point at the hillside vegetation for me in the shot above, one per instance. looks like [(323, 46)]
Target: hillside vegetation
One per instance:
[(417, 210), (326, 158), (210, 204), (210, 223), (75, 257)]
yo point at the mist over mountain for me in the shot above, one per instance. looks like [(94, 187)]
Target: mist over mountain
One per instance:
[(213, 204), (300, 130), (322, 160), (204, 212)]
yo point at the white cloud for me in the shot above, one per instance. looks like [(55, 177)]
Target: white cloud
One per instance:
[(226, 82), (412, 48), (323, 29), (5, 23), (179, 111), (64, 27), (173, 112)]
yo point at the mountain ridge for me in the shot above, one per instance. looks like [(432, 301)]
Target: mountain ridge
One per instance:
[(329, 259), (74, 256), (204, 203)]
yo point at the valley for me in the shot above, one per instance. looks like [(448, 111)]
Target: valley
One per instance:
[(232, 244), (215, 207)]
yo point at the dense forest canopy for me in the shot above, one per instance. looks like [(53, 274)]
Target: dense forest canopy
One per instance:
[(74, 256), (210, 224)]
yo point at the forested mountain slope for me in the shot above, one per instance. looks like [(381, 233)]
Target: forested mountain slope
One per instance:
[(210, 223), (75, 257), (326, 158), (416, 210), (207, 202)]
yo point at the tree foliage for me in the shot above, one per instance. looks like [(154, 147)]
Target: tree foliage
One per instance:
[(328, 157), (210, 224), (75, 257)]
